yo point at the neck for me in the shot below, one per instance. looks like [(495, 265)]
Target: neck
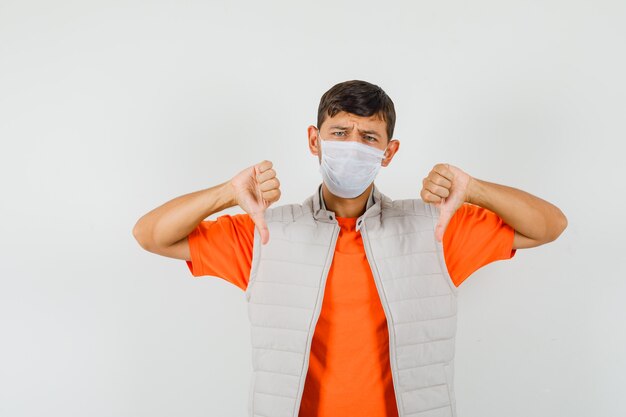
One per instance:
[(346, 207)]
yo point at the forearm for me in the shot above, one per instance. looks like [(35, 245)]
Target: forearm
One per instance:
[(174, 220), (529, 215)]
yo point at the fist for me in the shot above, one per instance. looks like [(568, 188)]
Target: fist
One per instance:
[(255, 188), (447, 186)]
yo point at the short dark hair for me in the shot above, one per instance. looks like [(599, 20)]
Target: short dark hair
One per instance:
[(360, 98)]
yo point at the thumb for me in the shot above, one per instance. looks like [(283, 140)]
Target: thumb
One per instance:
[(259, 221), (445, 214), (259, 217)]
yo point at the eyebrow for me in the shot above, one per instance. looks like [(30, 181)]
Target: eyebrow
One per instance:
[(347, 128)]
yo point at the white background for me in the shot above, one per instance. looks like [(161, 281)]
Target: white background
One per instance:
[(111, 108)]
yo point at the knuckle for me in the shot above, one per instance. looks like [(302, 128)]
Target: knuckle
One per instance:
[(265, 165)]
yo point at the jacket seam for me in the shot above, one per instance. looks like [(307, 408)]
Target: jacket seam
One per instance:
[(280, 305), (272, 348), (428, 341), (279, 328), (417, 321)]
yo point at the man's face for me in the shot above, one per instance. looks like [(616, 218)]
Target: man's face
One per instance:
[(371, 131)]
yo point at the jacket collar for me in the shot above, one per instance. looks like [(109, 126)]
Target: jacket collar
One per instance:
[(321, 213)]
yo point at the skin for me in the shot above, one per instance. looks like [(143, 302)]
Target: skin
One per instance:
[(353, 125), (534, 220), (164, 230)]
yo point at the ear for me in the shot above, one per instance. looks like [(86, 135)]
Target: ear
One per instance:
[(313, 140), (392, 148)]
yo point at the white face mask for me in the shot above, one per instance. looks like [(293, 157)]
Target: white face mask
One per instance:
[(349, 167)]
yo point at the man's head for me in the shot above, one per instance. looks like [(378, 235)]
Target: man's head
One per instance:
[(361, 99), (359, 111)]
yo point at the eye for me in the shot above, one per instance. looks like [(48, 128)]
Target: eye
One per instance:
[(335, 133), (371, 137)]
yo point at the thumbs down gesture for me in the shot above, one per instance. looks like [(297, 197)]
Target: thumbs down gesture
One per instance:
[(255, 188), (447, 186)]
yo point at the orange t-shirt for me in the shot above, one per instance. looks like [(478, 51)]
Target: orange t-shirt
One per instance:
[(349, 371)]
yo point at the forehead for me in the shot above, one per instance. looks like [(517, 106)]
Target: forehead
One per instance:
[(374, 122)]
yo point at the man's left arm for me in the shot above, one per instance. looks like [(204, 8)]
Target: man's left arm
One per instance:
[(534, 220)]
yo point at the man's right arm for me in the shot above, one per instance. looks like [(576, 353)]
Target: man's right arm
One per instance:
[(164, 230)]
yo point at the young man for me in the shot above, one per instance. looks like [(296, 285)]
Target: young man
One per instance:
[(351, 295)]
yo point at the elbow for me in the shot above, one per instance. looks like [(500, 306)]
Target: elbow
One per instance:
[(140, 235), (559, 224)]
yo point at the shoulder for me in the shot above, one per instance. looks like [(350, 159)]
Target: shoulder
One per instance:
[(229, 220), (410, 207), (286, 213), (471, 212), (476, 220)]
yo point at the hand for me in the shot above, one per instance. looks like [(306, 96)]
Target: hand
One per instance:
[(449, 186), (255, 188)]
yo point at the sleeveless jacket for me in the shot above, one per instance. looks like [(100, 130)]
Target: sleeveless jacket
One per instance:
[(286, 289)]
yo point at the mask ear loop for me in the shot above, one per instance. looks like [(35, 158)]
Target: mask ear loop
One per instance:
[(319, 140), (386, 148), (384, 152)]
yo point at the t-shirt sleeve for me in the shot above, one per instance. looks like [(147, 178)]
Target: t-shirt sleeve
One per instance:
[(223, 248), (475, 237)]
